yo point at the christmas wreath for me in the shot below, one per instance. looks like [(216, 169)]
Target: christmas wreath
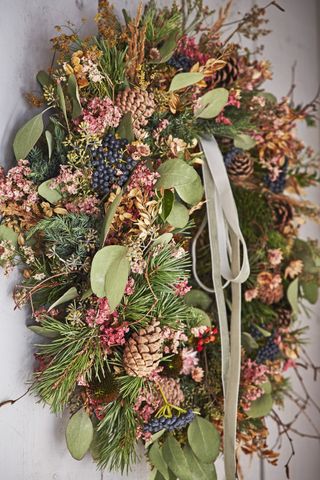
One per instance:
[(160, 178)]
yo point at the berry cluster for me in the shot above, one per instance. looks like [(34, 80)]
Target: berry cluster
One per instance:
[(181, 62), (173, 423), (268, 352), (111, 164), (277, 186), (231, 155)]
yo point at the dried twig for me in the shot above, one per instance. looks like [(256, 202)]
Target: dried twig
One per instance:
[(13, 401)]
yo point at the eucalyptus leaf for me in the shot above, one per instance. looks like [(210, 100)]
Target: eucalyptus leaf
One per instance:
[(199, 470), (261, 406), (201, 317), (292, 294), (79, 434), (52, 195), (248, 341), (198, 298), (175, 459), (27, 136), (109, 273), (125, 128), (310, 291), (266, 387), (212, 103), (243, 141), (66, 297), (163, 239), (42, 331), (44, 79), (6, 233), (263, 331), (268, 96), (183, 80), (167, 49), (62, 103), (86, 294), (204, 439), (49, 139), (191, 193), (174, 173), (157, 460), (110, 213), (179, 215), (167, 203), (74, 95), (155, 437)]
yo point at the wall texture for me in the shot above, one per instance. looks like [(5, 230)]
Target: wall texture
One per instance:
[(32, 443)]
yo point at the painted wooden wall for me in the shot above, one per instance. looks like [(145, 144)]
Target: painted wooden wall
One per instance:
[(32, 445)]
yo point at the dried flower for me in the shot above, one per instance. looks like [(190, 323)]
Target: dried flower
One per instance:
[(294, 269)]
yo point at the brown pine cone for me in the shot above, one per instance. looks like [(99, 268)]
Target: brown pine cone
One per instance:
[(283, 214), (227, 75), (140, 104), (284, 318), (241, 167), (143, 351), (171, 390)]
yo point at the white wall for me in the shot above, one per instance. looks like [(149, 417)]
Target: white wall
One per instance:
[(32, 443)]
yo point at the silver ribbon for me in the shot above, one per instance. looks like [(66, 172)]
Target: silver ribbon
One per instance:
[(226, 245)]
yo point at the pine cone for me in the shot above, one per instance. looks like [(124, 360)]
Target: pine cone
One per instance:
[(283, 214), (143, 351), (227, 75), (239, 164), (140, 104), (284, 318), (172, 390)]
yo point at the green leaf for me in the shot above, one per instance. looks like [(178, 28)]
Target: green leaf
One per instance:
[(27, 136), (175, 172), (155, 437), (204, 439), (199, 470), (49, 139), (191, 193), (157, 460), (6, 233), (201, 317), (310, 292), (86, 294), (125, 128), (176, 460), (183, 80), (66, 297), (110, 213), (74, 95), (198, 298), (268, 96), (243, 141), (263, 331), (52, 195), (44, 78), (42, 331), (62, 103), (292, 294), (266, 387), (167, 49), (212, 103), (260, 407), (179, 215), (163, 239), (167, 203), (109, 273), (248, 342), (79, 434)]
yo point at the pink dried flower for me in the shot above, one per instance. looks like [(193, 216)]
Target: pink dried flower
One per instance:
[(251, 294), (101, 113), (275, 256), (143, 177), (294, 268), (16, 186), (182, 288), (188, 46), (68, 180), (289, 363), (129, 290), (222, 119), (190, 360), (197, 374), (88, 205), (173, 339)]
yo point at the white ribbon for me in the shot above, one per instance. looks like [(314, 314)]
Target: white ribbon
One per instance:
[(225, 241)]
